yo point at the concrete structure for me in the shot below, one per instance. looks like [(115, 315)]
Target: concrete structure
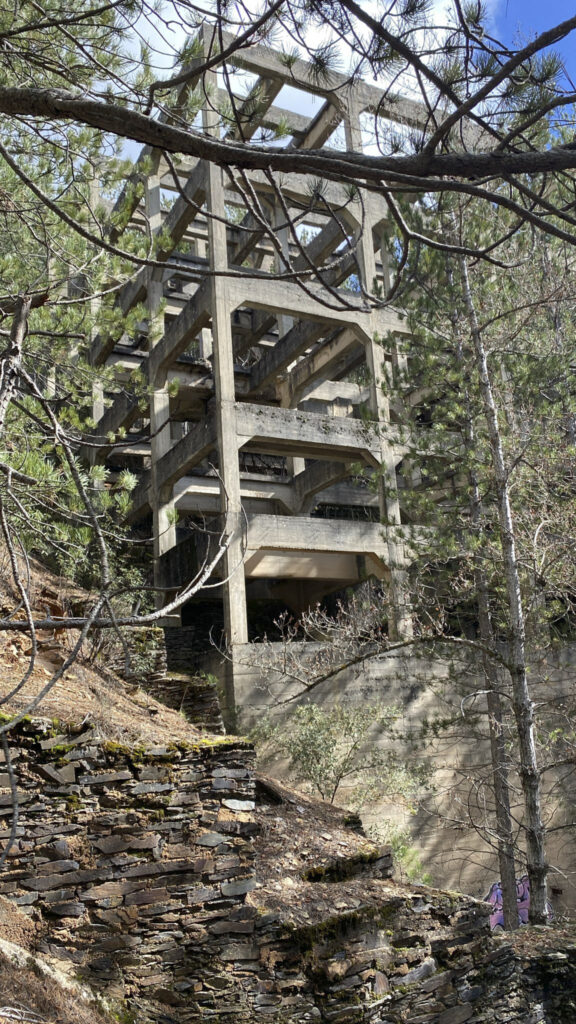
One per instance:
[(269, 390)]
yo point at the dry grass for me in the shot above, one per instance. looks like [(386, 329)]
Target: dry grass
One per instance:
[(30, 995), (119, 711)]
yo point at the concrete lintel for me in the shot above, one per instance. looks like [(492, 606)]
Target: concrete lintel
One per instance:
[(293, 432), (302, 533)]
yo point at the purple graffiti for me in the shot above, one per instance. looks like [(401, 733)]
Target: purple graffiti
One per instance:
[(523, 899)]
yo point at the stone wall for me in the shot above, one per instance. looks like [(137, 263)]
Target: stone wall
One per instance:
[(154, 875), (120, 853)]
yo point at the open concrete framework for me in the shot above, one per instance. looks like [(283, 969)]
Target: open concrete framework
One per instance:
[(284, 392)]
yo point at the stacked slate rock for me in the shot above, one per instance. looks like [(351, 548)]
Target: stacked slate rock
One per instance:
[(124, 855), (141, 869)]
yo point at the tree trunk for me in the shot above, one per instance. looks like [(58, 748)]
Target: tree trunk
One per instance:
[(498, 756), (506, 860), (11, 357), (521, 701)]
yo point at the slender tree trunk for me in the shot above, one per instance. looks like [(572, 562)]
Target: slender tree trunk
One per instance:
[(11, 357), (521, 701), (499, 759), (498, 756), (506, 859)]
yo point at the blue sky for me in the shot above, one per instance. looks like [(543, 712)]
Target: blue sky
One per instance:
[(521, 20), (532, 15)]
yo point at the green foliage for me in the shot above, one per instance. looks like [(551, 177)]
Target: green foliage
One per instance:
[(335, 747), (406, 859), (527, 329)]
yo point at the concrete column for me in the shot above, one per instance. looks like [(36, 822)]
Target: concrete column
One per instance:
[(206, 346), (294, 464), (400, 621), (235, 616), (163, 509)]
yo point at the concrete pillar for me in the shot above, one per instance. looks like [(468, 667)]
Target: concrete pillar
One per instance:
[(294, 464), (235, 616), (163, 509), (400, 621), (206, 346)]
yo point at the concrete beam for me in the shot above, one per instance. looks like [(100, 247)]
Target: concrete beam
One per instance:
[(301, 337), (301, 533), (323, 245), (336, 390), (185, 454), (185, 208), (195, 315), (296, 124), (272, 430), (202, 493), (325, 242), (316, 478), (124, 411), (253, 107), (302, 565), (274, 360), (131, 196), (297, 189), (251, 234), (321, 126), (320, 363), (261, 60), (349, 494), (268, 293)]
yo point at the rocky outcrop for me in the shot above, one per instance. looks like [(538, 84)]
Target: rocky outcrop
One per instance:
[(158, 875), (120, 852)]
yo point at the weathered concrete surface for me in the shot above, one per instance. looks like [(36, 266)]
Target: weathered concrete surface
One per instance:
[(225, 293), (436, 728)]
